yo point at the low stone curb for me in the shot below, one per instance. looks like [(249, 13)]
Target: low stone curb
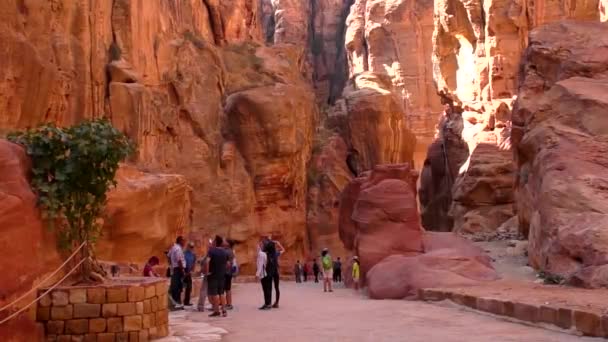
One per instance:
[(586, 322)]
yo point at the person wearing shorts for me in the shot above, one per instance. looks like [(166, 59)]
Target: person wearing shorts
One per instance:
[(216, 279), (327, 265)]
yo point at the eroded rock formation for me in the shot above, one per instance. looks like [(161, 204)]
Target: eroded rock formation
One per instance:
[(392, 38), (144, 214), (559, 132), (476, 51), (379, 222), (375, 209), (192, 86)]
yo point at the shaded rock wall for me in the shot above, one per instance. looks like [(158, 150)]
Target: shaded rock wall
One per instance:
[(559, 135), (476, 52)]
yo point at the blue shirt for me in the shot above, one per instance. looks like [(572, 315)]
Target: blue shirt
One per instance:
[(190, 260)]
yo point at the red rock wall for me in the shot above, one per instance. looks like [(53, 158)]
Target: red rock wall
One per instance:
[(476, 52), (29, 252), (559, 135)]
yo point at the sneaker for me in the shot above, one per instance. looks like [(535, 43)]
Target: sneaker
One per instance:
[(215, 314), (276, 305), (229, 307), (265, 307)]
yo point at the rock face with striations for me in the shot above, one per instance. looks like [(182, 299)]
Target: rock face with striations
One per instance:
[(161, 72), (560, 135), (144, 214), (476, 52), (392, 38)]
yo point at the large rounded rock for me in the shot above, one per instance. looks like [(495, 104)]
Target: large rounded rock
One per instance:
[(379, 216), (400, 276)]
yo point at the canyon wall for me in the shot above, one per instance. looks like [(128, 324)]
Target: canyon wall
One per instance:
[(476, 52), (561, 140), (191, 84)]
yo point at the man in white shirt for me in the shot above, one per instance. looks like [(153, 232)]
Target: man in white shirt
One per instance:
[(178, 264), (264, 278)]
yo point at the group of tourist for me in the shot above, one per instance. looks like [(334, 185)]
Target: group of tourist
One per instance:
[(218, 267), (330, 270)]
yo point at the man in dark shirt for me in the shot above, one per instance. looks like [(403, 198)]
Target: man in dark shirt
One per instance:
[(190, 257), (218, 259)]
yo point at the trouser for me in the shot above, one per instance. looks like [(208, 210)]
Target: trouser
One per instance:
[(298, 278), (188, 288), (267, 288), (338, 275), (275, 279), (316, 277), (177, 284), (305, 276), (203, 295)]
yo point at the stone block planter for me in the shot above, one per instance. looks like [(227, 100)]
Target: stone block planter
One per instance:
[(126, 309)]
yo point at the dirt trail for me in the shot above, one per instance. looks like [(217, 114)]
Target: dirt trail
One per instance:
[(308, 314)]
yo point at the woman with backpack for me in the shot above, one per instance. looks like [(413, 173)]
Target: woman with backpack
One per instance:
[(327, 264)]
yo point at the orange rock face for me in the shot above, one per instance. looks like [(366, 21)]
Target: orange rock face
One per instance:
[(392, 38), (27, 247), (144, 214), (560, 139), (161, 71)]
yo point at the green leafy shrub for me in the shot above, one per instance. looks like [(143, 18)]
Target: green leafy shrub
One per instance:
[(72, 170)]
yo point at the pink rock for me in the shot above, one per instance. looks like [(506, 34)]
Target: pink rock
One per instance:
[(399, 277)]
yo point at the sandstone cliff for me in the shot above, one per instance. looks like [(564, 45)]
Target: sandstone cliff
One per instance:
[(191, 85), (560, 134), (476, 51)]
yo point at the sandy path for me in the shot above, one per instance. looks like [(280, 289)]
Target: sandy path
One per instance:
[(308, 314)]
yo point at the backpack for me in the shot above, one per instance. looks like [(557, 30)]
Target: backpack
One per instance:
[(234, 270), (272, 265), (327, 264)]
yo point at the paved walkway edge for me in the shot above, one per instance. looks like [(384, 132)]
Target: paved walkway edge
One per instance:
[(586, 322)]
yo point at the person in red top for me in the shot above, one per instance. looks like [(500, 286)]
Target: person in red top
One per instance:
[(149, 268)]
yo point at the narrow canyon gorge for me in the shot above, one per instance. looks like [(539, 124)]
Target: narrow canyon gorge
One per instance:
[(370, 127)]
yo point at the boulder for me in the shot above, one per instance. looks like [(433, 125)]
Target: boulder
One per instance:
[(383, 204), (559, 135), (448, 261), (28, 251), (400, 276), (144, 214)]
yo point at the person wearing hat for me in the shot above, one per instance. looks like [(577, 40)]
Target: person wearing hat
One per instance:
[(190, 257), (356, 272)]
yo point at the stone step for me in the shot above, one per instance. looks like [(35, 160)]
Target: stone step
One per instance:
[(581, 311)]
